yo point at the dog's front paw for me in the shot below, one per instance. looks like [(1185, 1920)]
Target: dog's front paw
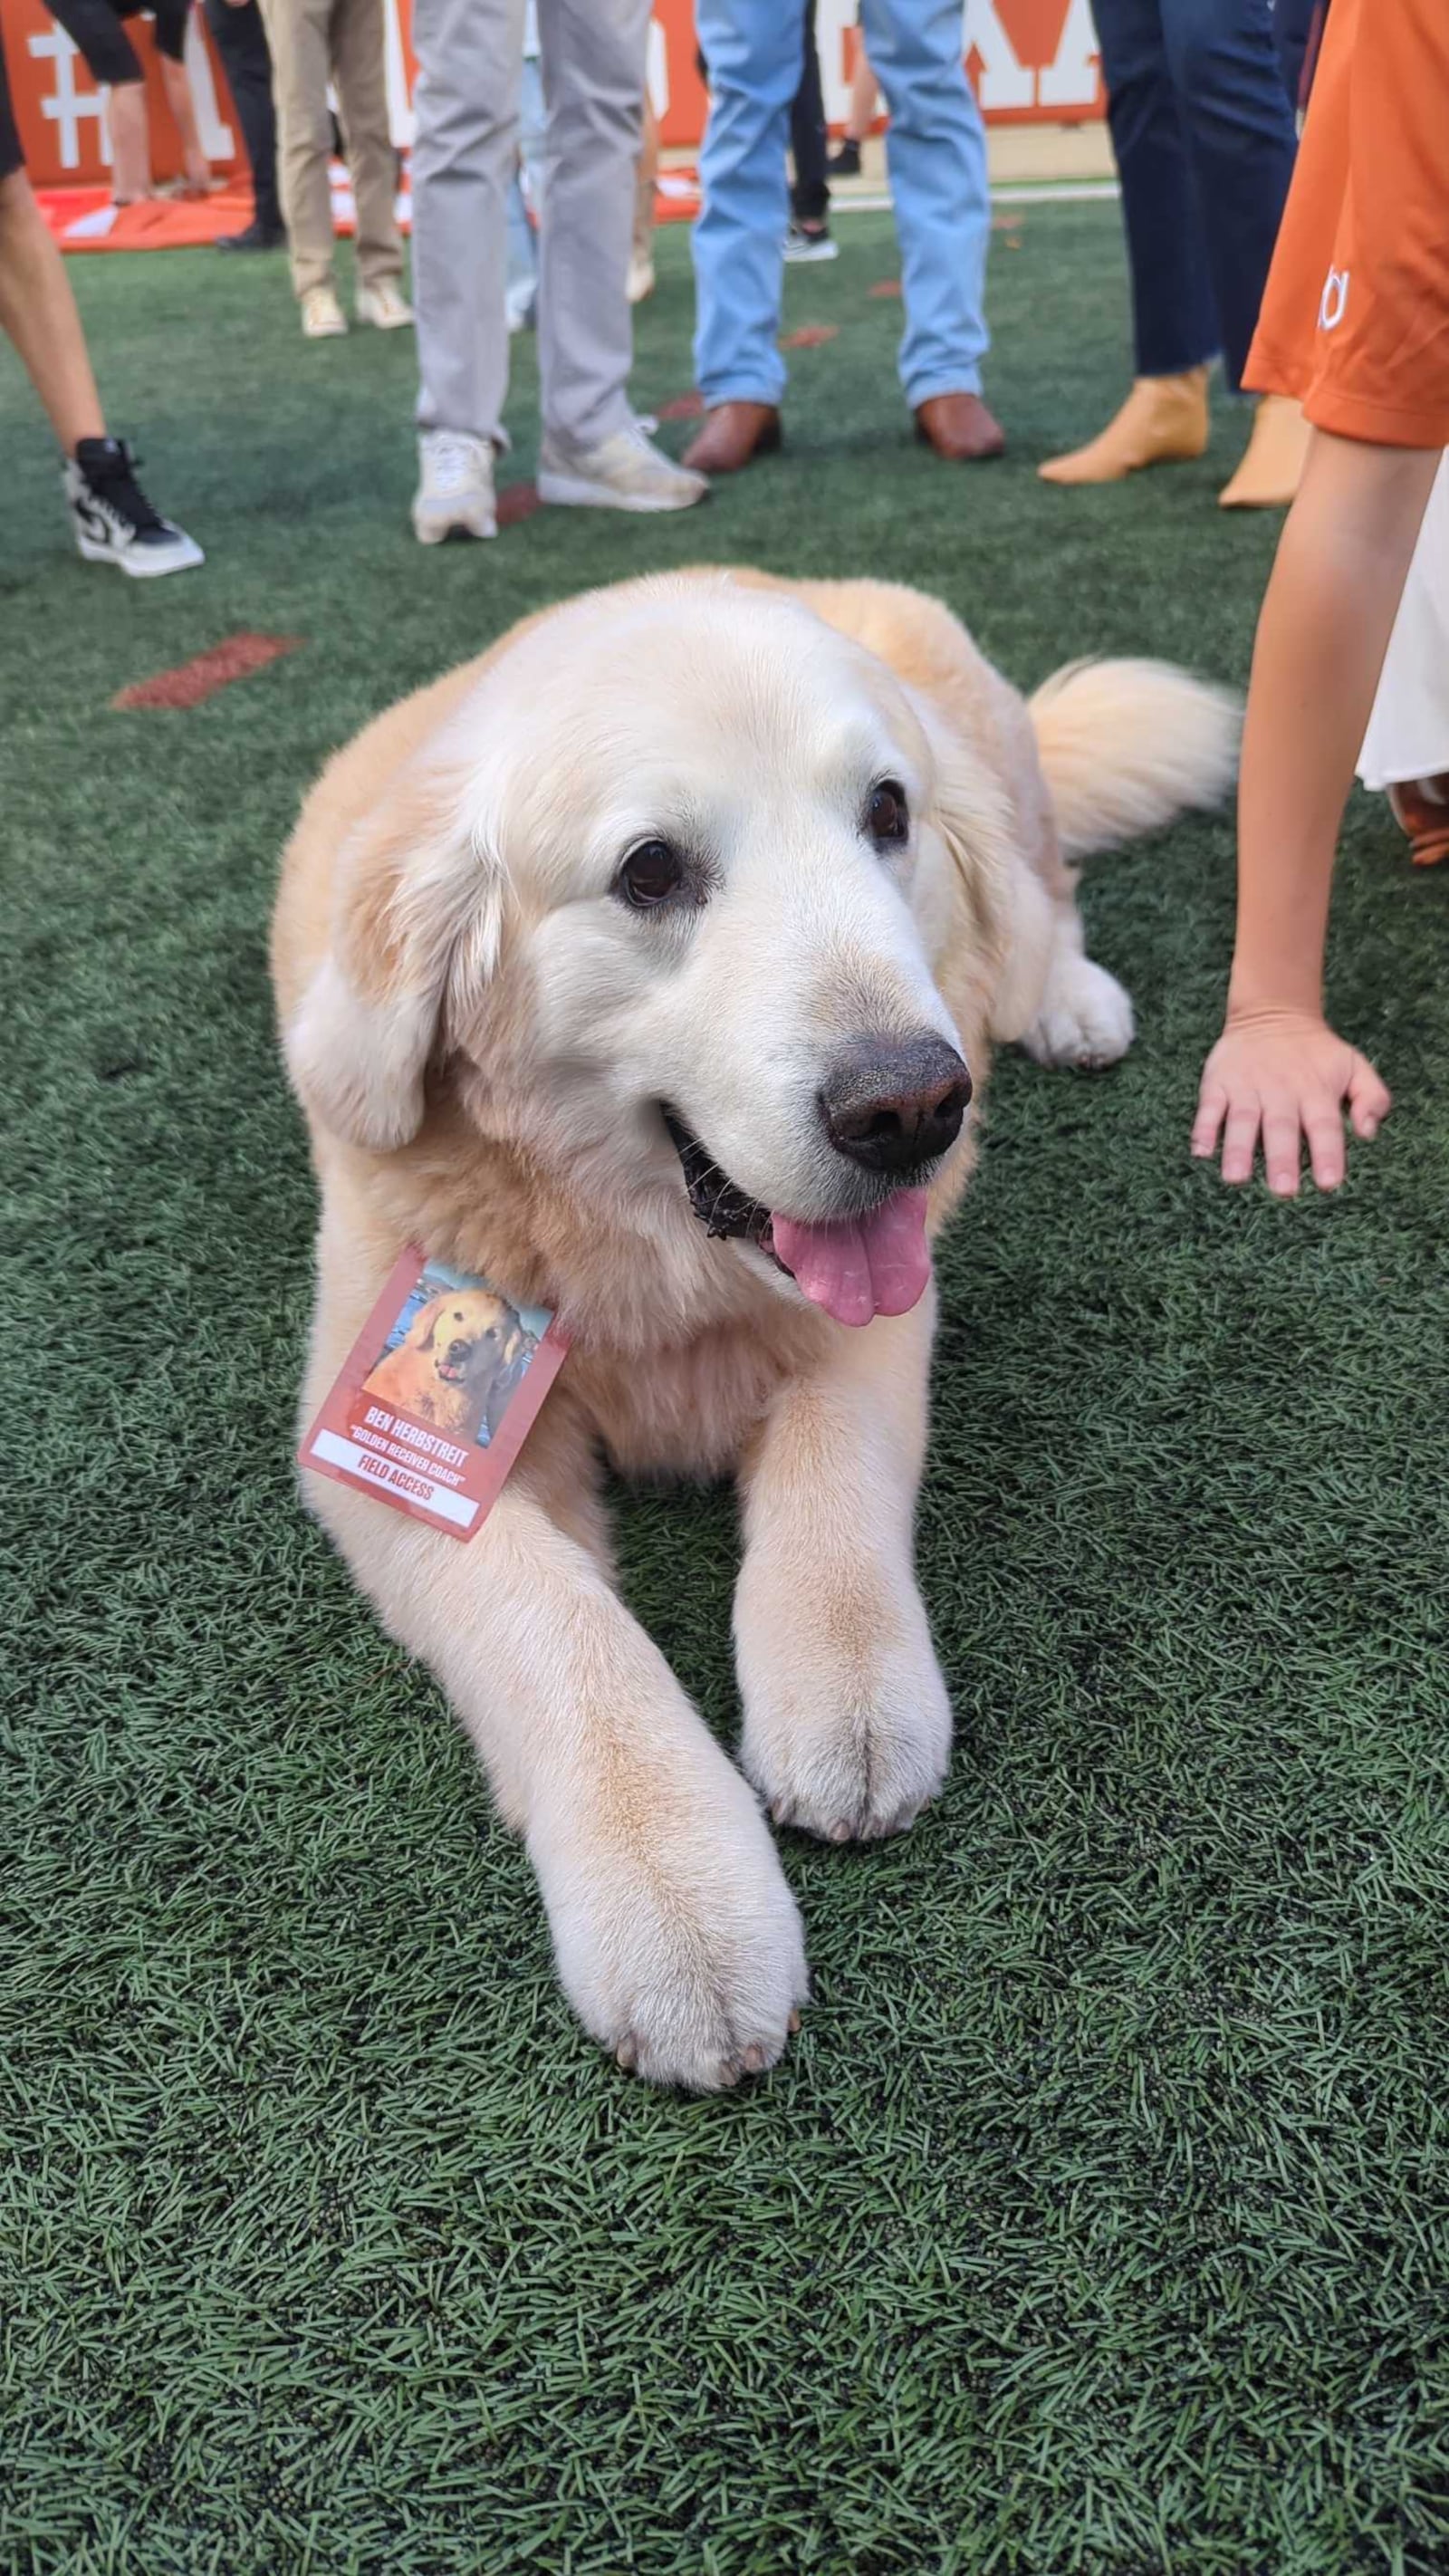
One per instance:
[(1085, 1017), (847, 1722), (680, 1947)]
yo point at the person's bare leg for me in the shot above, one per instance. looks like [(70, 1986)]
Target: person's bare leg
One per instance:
[(1279, 1070), (113, 520), (862, 99), (177, 81), (130, 143), (37, 312)]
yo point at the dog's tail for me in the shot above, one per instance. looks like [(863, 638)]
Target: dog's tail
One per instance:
[(1126, 746)]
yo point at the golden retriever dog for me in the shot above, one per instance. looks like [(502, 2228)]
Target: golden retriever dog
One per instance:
[(445, 1367), (650, 967)]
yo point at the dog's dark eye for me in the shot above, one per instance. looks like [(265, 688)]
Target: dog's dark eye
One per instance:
[(889, 817), (650, 875)]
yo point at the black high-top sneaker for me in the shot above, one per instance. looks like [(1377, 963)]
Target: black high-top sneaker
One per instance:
[(113, 520)]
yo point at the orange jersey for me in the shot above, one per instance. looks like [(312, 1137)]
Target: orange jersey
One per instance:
[(1355, 315)]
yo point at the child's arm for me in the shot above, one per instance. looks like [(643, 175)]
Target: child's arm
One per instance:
[(1342, 563)]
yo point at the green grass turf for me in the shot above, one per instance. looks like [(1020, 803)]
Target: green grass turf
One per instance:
[(1097, 2219)]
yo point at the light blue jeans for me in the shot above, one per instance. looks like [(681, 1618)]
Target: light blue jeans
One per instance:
[(532, 136), (936, 152)]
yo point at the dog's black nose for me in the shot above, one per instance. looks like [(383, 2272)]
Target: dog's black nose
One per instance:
[(891, 1106)]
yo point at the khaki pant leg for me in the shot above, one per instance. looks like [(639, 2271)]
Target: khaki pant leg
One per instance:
[(359, 68), (297, 41)]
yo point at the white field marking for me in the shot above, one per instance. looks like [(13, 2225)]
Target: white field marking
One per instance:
[(1024, 192)]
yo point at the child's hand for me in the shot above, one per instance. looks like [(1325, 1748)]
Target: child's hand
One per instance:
[(1284, 1072)]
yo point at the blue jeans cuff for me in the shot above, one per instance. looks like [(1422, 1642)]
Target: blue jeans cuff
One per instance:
[(961, 380), (738, 391)]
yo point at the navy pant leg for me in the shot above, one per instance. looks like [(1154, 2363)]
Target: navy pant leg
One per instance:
[(1242, 140), (240, 39), (1174, 317), (1292, 28)]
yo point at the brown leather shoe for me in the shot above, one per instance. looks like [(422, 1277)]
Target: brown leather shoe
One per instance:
[(1421, 808), (959, 427), (733, 433)]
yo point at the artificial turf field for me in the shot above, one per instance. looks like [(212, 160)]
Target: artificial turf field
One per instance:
[(1099, 2217)]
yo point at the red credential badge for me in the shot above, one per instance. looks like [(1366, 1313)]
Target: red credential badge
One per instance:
[(439, 1392)]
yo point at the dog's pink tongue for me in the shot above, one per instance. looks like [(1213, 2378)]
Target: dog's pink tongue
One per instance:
[(870, 1265)]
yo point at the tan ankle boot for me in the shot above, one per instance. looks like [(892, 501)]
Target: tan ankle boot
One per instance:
[(1163, 418), (1267, 478)]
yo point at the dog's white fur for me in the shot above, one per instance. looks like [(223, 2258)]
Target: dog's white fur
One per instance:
[(481, 1034)]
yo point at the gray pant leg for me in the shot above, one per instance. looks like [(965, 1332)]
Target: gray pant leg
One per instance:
[(469, 57), (593, 77)]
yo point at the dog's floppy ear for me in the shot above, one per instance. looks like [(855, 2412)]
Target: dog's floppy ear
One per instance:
[(419, 1334), (1007, 905), (418, 897)]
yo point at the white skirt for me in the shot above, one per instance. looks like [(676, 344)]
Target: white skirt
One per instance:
[(1408, 732)]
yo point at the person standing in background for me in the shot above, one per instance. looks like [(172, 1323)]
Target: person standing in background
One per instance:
[(240, 39), (844, 162), (1204, 135), (646, 191), (525, 196), (112, 518), (808, 238), (936, 150), (465, 150), (312, 42), (95, 29), (1405, 753), (1298, 32)]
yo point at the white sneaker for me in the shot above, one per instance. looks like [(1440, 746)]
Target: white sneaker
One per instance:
[(622, 473), (641, 277), (322, 315), (112, 518), (454, 497), (521, 304), (384, 306), (803, 248)]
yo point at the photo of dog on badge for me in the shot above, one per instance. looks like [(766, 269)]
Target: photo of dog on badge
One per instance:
[(456, 1355)]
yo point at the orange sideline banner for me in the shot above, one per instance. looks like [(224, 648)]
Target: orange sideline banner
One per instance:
[(1032, 61)]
